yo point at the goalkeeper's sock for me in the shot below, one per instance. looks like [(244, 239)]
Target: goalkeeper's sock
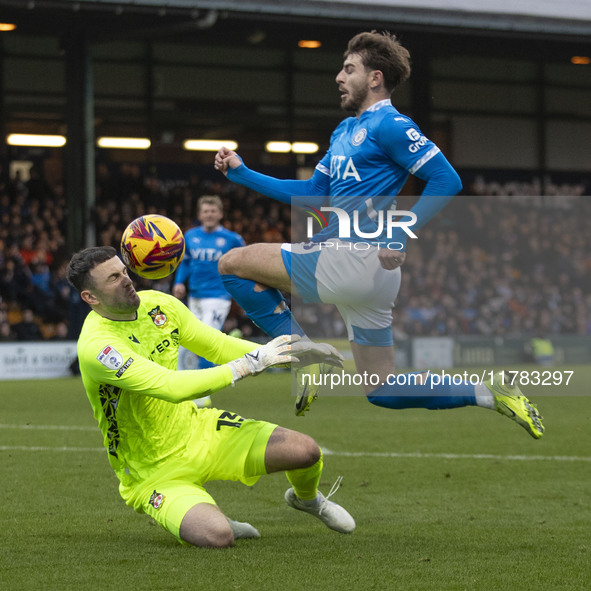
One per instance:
[(265, 306), (305, 481), (243, 530), (405, 393)]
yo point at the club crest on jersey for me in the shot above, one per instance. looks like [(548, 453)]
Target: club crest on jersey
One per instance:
[(220, 242), (158, 317), (110, 357), (156, 500), (359, 137)]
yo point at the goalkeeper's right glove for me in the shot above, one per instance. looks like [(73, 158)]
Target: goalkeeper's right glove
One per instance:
[(273, 354)]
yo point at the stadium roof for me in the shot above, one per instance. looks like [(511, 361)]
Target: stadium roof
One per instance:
[(564, 17)]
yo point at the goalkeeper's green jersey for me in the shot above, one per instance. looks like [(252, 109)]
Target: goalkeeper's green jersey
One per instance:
[(142, 404)]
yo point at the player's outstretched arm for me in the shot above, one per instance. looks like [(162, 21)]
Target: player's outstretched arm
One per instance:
[(311, 192), (282, 351), (274, 354)]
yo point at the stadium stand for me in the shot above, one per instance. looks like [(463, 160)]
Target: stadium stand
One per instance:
[(482, 267)]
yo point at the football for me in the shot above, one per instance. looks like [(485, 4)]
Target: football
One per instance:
[(152, 246)]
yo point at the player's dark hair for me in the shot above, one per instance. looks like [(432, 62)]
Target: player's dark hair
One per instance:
[(383, 52), (84, 261)]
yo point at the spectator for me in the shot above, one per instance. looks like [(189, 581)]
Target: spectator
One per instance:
[(6, 334), (490, 266), (27, 329)]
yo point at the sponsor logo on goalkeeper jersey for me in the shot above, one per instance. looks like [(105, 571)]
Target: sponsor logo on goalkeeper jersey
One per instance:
[(110, 357), (156, 500), (158, 317), (124, 367), (160, 347)]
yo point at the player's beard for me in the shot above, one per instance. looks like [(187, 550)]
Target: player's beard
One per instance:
[(354, 99), (132, 301), (123, 303)]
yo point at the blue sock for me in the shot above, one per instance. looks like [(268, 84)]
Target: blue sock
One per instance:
[(261, 306), (433, 397)]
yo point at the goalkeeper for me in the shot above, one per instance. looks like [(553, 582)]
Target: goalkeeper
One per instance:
[(161, 446)]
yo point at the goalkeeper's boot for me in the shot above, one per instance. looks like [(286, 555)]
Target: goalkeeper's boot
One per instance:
[(331, 514), (243, 530), (308, 380), (510, 401)]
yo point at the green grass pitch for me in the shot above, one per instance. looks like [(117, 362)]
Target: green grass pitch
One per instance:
[(444, 500)]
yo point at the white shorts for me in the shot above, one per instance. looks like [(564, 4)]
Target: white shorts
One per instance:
[(349, 275), (211, 311)]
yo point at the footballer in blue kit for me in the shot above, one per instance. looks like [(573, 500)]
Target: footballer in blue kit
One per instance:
[(199, 267), (197, 277), (367, 164), (354, 262)]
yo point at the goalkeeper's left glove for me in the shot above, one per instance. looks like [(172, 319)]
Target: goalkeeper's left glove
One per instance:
[(273, 354)]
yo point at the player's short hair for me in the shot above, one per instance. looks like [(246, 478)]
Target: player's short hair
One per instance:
[(383, 52), (84, 261), (210, 200)]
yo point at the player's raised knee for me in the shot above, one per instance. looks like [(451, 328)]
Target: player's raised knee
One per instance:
[(230, 262)]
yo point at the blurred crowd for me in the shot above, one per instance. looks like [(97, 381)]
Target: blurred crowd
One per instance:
[(34, 293), (499, 266), (490, 266)]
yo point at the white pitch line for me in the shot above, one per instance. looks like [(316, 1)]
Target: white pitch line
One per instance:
[(325, 451), (351, 454), (447, 456)]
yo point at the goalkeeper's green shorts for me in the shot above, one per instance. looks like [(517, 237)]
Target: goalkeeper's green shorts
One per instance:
[(224, 446)]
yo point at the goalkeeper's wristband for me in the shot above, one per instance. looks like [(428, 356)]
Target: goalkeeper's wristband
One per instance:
[(247, 365), (239, 369), (277, 352)]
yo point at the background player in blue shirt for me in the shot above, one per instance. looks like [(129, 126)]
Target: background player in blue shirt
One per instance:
[(369, 159), (207, 296)]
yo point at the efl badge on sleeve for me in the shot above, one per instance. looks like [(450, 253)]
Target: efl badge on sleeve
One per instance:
[(156, 500), (158, 316), (110, 357)]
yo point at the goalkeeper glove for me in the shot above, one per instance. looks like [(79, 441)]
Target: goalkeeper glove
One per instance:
[(273, 354), (305, 352)]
